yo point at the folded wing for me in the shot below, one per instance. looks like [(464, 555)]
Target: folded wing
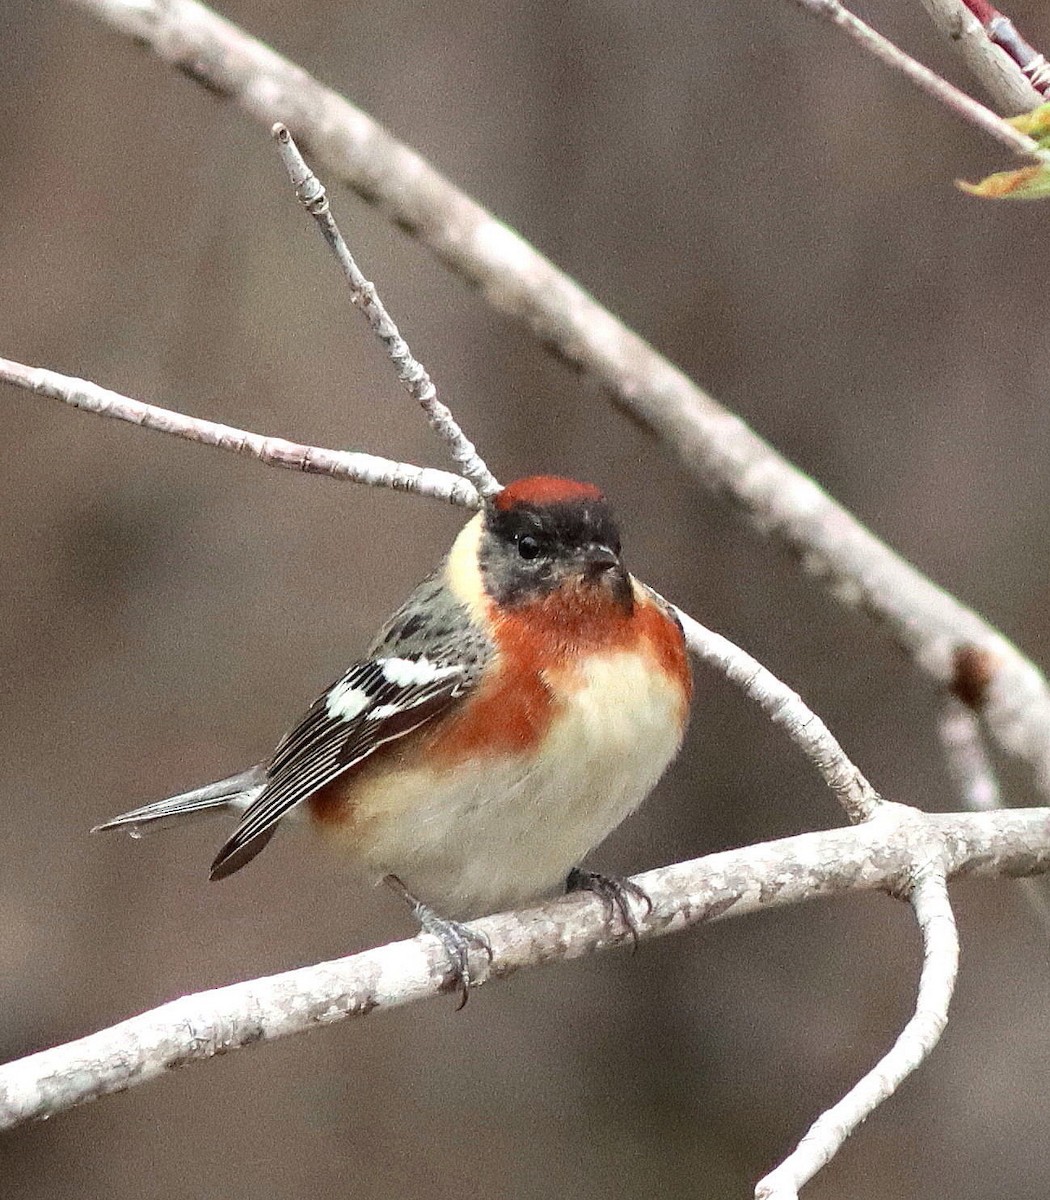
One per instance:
[(374, 703)]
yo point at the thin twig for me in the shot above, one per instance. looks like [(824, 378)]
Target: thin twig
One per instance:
[(1001, 78), (971, 770), (940, 942), (928, 81), (788, 710), (966, 756), (875, 854), (275, 452), (411, 374)]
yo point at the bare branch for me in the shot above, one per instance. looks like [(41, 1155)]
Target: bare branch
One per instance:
[(974, 777), (716, 447), (411, 374), (875, 854), (967, 758), (788, 710), (275, 452), (940, 943), (925, 79), (1003, 75)]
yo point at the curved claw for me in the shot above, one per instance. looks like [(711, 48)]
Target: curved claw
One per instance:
[(456, 938), (616, 893)]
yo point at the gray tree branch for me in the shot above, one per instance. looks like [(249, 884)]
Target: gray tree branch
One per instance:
[(926, 80), (886, 853), (368, 469), (940, 944), (411, 373), (147, 1051)]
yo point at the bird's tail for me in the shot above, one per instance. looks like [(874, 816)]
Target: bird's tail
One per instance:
[(227, 795)]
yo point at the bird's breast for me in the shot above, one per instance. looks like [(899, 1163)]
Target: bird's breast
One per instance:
[(500, 821)]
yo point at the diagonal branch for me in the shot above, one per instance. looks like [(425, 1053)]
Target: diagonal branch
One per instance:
[(940, 944), (969, 765), (412, 375), (715, 446), (883, 853), (967, 759), (275, 452), (923, 78), (787, 709)]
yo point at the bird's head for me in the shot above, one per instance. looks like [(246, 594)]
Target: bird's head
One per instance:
[(543, 534)]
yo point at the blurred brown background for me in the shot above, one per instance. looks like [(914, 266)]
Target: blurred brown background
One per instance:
[(774, 212)]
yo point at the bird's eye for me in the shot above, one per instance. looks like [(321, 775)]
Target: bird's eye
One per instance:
[(528, 547)]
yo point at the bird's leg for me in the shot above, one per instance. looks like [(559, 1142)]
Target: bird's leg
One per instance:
[(617, 894), (457, 939)]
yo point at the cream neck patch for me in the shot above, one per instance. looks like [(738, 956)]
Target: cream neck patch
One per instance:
[(462, 570)]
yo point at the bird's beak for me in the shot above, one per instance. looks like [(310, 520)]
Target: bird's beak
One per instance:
[(598, 558)]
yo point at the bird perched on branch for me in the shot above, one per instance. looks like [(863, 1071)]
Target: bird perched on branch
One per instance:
[(521, 703)]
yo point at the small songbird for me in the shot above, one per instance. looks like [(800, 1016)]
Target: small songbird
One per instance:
[(510, 714)]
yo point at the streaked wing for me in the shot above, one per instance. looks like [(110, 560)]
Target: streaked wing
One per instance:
[(375, 702)]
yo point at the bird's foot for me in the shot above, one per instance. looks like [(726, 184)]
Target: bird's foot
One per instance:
[(617, 894), (456, 938)]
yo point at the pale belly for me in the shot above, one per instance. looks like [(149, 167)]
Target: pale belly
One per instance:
[(468, 843)]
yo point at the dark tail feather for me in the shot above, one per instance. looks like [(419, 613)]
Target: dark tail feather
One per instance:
[(230, 795), (229, 859)]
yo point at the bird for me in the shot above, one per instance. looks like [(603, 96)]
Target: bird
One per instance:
[(520, 704)]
